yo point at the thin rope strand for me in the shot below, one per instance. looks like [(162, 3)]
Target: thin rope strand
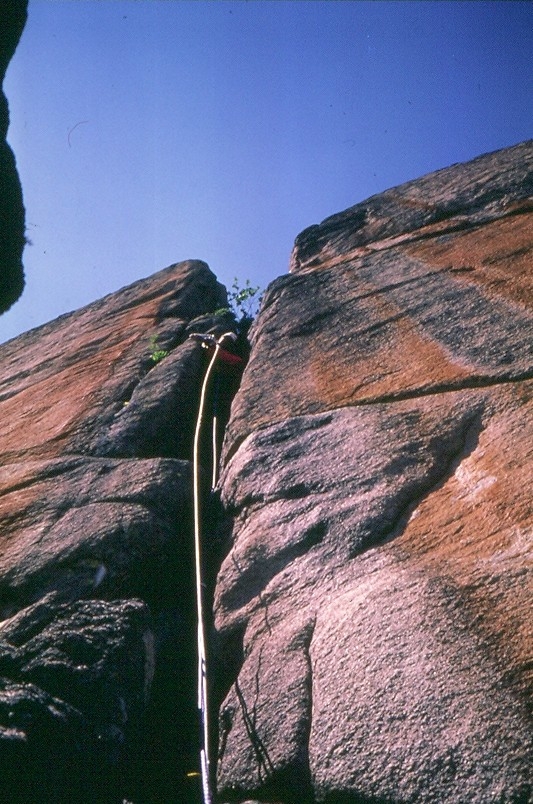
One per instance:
[(202, 670), (202, 662), (214, 475)]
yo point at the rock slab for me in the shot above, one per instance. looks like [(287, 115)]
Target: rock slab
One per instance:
[(97, 629), (373, 609)]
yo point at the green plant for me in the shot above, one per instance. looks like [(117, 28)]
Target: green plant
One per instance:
[(156, 354), (244, 303)]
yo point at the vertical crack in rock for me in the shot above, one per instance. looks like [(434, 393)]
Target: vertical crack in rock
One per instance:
[(270, 774), (95, 504), (375, 478), (264, 765)]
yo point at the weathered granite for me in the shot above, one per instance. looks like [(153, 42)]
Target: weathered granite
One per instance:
[(371, 638), (12, 215), (373, 610), (97, 639), (397, 318)]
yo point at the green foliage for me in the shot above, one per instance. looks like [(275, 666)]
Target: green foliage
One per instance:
[(244, 303), (156, 354)]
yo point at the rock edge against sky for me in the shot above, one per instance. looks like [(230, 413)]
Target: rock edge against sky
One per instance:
[(371, 638)]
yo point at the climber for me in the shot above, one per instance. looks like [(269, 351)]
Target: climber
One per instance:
[(209, 342)]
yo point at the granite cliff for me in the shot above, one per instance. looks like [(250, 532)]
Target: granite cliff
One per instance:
[(97, 639), (377, 587), (12, 216), (369, 548)]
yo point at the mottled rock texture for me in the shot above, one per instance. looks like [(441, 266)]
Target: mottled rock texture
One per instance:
[(373, 612), (97, 655), (12, 219), (97, 639), (372, 634)]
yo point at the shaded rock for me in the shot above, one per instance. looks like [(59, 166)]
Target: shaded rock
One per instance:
[(12, 215), (96, 422), (159, 418), (43, 743), (95, 661), (372, 612), (97, 654), (84, 526)]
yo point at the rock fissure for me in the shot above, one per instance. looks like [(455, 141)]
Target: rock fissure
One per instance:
[(264, 765), (367, 561), (97, 507), (472, 383), (416, 489)]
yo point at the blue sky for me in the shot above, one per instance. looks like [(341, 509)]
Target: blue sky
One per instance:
[(152, 131)]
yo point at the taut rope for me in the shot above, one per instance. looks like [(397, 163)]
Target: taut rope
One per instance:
[(202, 658)]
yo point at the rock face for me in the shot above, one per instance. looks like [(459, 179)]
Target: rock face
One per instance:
[(372, 636), (12, 224), (97, 639), (101, 653), (373, 612)]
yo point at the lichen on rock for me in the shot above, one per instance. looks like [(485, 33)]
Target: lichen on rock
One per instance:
[(368, 548), (378, 581)]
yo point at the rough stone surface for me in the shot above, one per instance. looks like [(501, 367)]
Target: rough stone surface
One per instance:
[(79, 524), (97, 639), (95, 660), (80, 372), (373, 610), (12, 216), (372, 638)]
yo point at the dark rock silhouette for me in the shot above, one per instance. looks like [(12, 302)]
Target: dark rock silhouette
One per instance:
[(12, 217)]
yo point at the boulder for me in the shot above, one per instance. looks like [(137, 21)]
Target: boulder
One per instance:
[(372, 611), (95, 659)]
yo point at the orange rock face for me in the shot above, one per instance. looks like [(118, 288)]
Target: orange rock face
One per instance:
[(69, 378), (379, 574), (404, 315), (97, 412)]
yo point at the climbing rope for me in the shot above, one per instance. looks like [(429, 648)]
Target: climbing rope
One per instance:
[(207, 341)]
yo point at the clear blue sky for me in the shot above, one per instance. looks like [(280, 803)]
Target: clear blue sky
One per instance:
[(152, 131)]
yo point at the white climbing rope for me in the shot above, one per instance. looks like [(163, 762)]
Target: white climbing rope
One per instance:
[(214, 450), (202, 657)]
